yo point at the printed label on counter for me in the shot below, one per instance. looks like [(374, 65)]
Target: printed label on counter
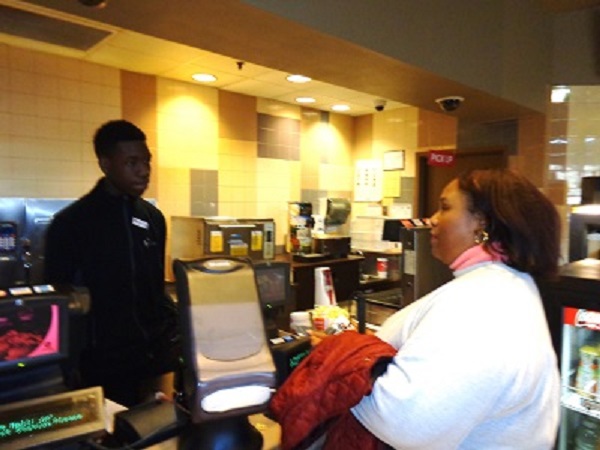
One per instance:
[(238, 249), (216, 242), (256, 240)]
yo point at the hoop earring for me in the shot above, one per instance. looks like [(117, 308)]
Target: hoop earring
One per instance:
[(482, 237)]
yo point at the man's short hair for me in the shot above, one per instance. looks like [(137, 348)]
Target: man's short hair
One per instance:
[(111, 133)]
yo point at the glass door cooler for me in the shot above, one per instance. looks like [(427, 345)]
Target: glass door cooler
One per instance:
[(573, 310), (580, 380)]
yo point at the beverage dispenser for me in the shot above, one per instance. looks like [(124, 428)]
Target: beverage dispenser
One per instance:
[(334, 241), (300, 224), (195, 237), (23, 225), (420, 272), (8, 252)]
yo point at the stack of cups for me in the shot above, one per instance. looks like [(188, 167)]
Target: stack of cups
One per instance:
[(382, 267), (300, 322), (324, 292)]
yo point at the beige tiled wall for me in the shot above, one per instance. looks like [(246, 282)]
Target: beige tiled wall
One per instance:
[(138, 100), (408, 129), (50, 107)]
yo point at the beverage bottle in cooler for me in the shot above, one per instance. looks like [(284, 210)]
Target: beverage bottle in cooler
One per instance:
[(586, 379), (587, 434)]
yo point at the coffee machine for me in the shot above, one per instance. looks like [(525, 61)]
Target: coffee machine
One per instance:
[(421, 273), (333, 240)]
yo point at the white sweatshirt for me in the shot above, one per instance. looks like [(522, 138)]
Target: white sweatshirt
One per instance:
[(475, 368)]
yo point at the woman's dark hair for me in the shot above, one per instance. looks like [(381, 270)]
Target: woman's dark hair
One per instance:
[(111, 133), (519, 218)]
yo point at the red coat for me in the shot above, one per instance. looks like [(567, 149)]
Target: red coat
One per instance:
[(319, 393)]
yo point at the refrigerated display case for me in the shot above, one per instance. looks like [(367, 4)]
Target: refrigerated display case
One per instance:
[(580, 380), (573, 310)]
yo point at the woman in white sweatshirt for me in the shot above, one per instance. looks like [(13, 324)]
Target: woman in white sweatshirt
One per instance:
[(475, 367)]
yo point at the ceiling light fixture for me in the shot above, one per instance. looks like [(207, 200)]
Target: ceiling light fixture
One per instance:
[(560, 94), (305, 100), (340, 108), (298, 79), (204, 77)]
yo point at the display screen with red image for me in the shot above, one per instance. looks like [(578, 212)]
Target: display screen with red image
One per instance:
[(31, 332)]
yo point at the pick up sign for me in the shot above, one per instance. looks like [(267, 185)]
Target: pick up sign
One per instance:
[(441, 158)]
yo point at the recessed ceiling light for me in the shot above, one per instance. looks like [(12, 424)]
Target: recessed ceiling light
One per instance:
[(340, 108), (204, 77), (560, 94), (298, 79), (305, 100)]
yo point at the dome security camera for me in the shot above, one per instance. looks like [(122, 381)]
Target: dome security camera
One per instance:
[(93, 3), (450, 103), (379, 104)]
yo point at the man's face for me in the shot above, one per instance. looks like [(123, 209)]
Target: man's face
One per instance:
[(128, 168)]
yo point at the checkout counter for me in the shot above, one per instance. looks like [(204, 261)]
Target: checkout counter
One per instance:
[(229, 373), (235, 356)]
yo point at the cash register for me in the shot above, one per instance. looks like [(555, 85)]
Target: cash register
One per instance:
[(231, 366), (36, 409), (274, 289)]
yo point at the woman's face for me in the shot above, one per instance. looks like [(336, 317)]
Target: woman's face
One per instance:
[(453, 225)]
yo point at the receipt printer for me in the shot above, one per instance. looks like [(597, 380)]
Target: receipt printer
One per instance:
[(287, 353)]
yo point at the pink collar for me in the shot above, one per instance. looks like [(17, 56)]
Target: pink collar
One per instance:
[(475, 255)]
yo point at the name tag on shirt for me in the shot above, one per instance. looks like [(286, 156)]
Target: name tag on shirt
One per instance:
[(140, 223)]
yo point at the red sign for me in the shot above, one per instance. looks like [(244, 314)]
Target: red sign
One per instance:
[(441, 158), (582, 318)]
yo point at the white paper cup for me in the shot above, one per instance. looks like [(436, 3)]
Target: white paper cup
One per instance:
[(324, 292)]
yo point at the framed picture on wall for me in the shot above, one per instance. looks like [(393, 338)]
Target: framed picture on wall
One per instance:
[(393, 160)]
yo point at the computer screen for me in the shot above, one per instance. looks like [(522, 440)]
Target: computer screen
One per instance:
[(33, 327), (273, 282), (53, 421)]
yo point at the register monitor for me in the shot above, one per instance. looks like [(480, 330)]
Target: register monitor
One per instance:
[(53, 421), (273, 282), (33, 341), (36, 409), (274, 291)]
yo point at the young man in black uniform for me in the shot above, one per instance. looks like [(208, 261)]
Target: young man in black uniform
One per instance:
[(113, 242)]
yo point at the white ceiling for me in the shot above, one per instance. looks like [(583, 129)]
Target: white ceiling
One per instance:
[(177, 38), (137, 52)]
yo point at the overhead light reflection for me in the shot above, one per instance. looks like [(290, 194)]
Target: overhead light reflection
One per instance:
[(204, 77), (305, 100), (298, 79), (340, 108), (560, 94)]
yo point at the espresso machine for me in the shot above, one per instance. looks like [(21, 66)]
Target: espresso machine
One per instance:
[(420, 272)]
